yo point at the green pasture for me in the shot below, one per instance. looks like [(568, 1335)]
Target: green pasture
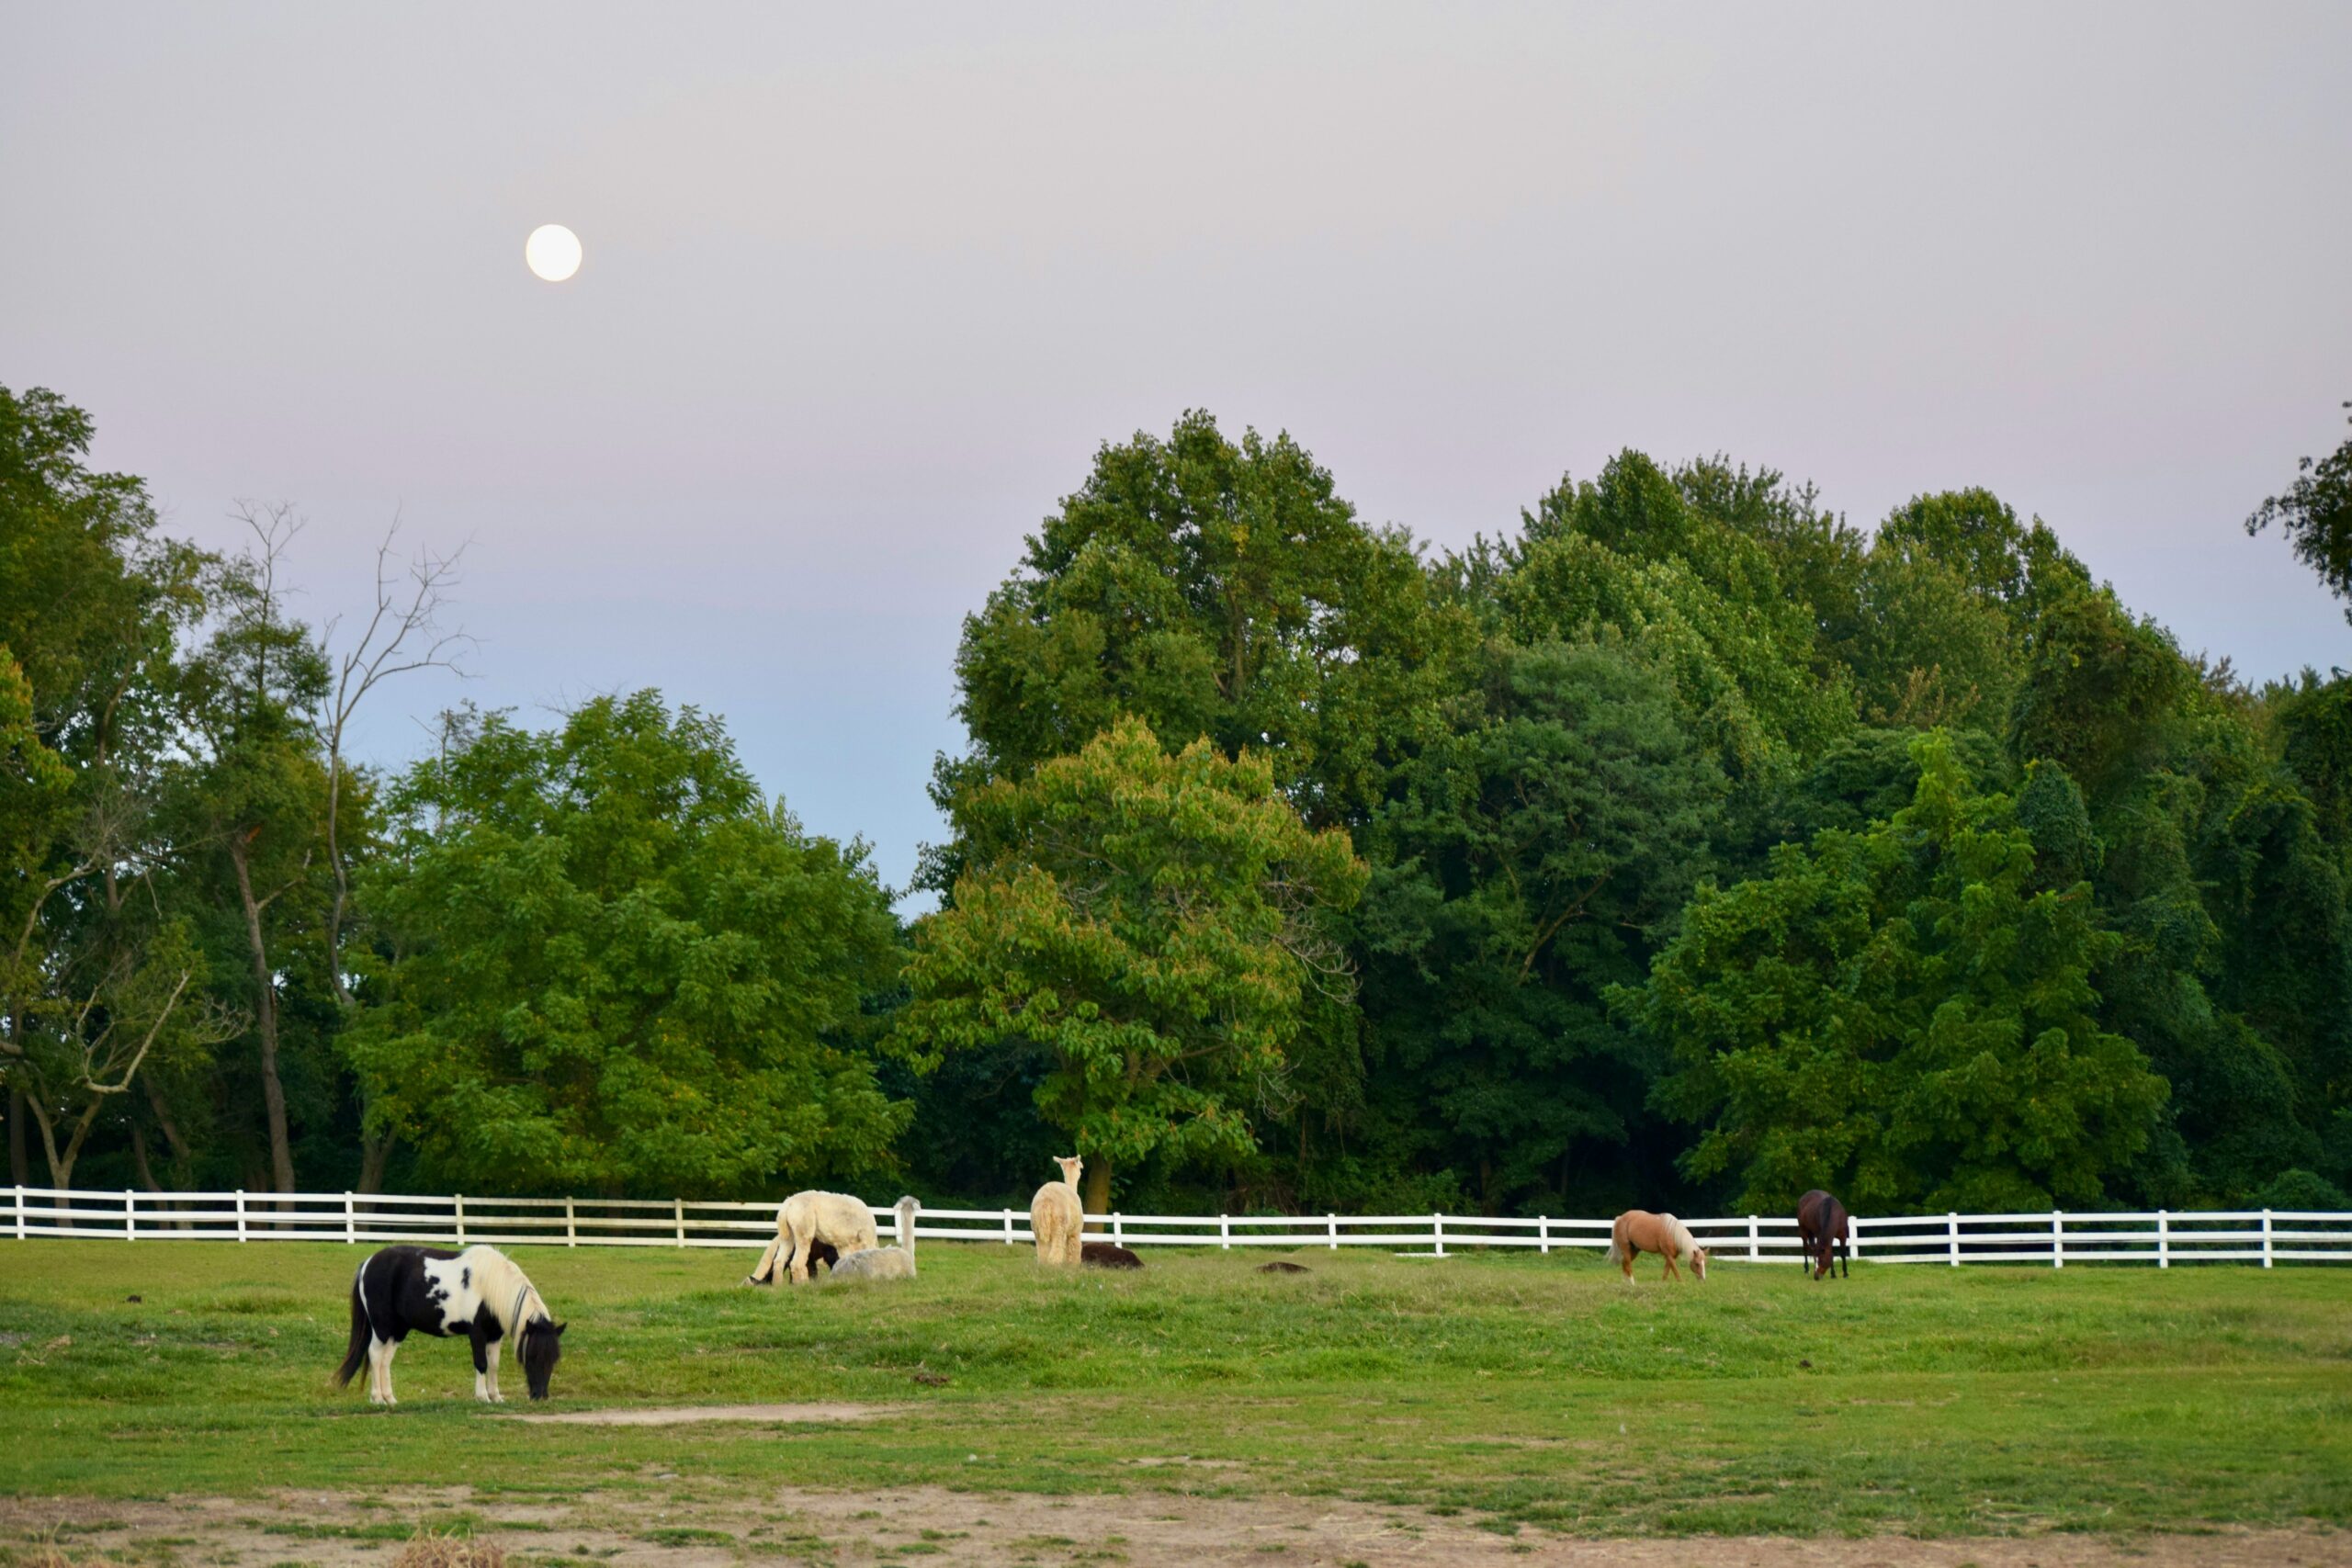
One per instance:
[(1532, 1392)]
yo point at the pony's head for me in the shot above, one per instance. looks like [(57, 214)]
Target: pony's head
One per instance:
[(1699, 1261), (542, 1346), (1071, 1165)]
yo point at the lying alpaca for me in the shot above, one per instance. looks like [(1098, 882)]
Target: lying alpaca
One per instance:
[(806, 1219), (884, 1262), (1638, 1230), (1057, 1217), (1107, 1255)]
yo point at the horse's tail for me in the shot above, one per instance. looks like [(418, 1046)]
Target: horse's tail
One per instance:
[(1617, 1241), (359, 1336)]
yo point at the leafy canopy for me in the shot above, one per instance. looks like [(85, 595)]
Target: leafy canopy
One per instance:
[(1156, 922), (618, 969), (1902, 1014)]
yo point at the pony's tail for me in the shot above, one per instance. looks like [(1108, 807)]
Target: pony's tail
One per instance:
[(1616, 1250), (359, 1334)]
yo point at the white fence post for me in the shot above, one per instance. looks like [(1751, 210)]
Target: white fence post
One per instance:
[(1225, 1231), (571, 1224), (1008, 1227), (2266, 1238), (1854, 1238), (2163, 1239), (350, 1220), (20, 1211), (461, 1217), (1331, 1220), (1543, 1234), (241, 1213), (1118, 1229), (129, 1216), (1951, 1233), (681, 1211), (1755, 1249), (1437, 1224), (2057, 1239)]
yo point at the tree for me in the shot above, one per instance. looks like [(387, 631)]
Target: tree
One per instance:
[(1626, 555), (250, 805), (1904, 1014), (401, 634), (2315, 513), (1159, 923), (1530, 860), (1212, 589), (90, 602), (616, 968)]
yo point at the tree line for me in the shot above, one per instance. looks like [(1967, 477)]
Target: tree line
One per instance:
[(1685, 845)]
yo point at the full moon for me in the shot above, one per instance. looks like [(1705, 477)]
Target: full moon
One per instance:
[(552, 252)]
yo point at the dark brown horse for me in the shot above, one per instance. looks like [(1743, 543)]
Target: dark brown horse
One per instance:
[(1822, 1227)]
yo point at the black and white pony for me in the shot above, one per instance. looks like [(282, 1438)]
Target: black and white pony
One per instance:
[(478, 1293)]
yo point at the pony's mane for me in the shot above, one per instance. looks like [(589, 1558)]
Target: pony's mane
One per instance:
[(512, 1296)]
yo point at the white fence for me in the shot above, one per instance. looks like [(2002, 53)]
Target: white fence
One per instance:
[(2055, 1238)]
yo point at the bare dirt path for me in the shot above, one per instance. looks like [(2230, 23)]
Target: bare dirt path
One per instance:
[(1155, 1529), (680, 1414)]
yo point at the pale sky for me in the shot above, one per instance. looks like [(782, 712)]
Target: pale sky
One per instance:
[(867, 284)]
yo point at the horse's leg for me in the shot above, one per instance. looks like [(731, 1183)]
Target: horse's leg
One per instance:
[(1671, 1271), (389, 1346), (378, 1355), (797, 1256), (481, 1364), (490, 1352)]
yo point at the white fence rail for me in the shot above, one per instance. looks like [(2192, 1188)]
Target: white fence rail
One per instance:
[(2055, 1239)]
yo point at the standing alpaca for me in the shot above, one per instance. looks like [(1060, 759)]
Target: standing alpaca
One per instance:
[(884, 1262), (806, 1219), (1057, 1217), (1638, 1230)]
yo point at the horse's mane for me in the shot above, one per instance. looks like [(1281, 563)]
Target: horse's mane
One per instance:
[(512, 1296)]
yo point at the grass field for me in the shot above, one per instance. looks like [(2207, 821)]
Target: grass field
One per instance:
[(1521, 1394)]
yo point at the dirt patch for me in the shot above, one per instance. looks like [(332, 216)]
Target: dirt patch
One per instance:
[(335, 1530), (681, 1414)]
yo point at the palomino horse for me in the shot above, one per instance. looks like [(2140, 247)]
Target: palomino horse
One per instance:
[(478, 1293), (806, 1219), (1821, 1226), (1638, 1230)]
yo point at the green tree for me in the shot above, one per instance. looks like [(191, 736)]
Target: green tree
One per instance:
[(1210, 588), (2315, 513), (1904, 1014), (616, 968), (248, 808), (1159, 923), (1530, 860), (91, 600)]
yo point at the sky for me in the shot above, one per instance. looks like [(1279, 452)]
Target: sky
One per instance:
[(867, 285)]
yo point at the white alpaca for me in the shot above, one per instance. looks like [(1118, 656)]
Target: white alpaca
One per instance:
[(843, 1222), (1057, 1216), (884, 1262)]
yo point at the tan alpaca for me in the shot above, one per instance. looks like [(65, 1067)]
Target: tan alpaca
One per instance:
[(1056, 1216)]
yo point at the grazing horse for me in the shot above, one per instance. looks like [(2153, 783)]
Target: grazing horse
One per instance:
[(806, 1219), (478, 1293), (1821, 1226), (1638, 1230)]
